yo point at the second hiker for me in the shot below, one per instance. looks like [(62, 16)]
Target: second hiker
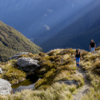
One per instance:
[(92, 46), (77, 56)]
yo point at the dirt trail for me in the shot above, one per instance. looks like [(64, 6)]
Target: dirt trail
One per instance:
[(82, 91)]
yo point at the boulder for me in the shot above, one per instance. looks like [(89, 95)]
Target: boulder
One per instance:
[(27, 64), (5, 87), (1, 71), (17, 55), (70, 82)]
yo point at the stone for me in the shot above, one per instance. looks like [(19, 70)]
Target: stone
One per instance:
[(27, 64), (17, 55), (70, 82), (1, 71), (5, 87)]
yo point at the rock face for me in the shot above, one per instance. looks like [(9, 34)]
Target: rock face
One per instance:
[(1, 71), (27, 64), (17, 55), (5, 87)]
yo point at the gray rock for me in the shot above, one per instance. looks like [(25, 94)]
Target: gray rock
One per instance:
[(1, 71), (27, 64), (70, 82), (5, 87), (17, 55)]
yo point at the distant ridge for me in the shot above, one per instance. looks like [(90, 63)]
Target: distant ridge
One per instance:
[(79, 33)]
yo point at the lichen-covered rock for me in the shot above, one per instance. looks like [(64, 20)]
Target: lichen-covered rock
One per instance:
[(27, 64), (5, 87), (17, 55), (1, 71)]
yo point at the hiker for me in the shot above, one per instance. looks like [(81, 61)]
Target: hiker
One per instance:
[(77, 56), (92, 46)]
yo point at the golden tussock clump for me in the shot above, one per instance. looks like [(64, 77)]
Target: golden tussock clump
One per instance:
[(57, 68), (56, 91), (98, 48), (96, 67), (11, 72)]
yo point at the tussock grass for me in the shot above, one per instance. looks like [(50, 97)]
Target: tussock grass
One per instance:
[(55, 92), (86, 65), (57, 66), (67, 51), (11, 73), (94, 93), (98, 48), (96, 67)]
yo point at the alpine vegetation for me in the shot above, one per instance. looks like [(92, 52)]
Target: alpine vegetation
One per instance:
[(60, 79), (13, 42)]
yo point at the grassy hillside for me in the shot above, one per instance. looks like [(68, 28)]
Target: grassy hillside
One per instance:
[(58, 68), (13, 42), (56, 65)]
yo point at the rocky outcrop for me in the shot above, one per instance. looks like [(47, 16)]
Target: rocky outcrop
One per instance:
[(5, 87), (1, 71), (17, 55), (70, 82), (27, 64)]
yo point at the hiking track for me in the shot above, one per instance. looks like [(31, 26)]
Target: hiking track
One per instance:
[(83, 90)]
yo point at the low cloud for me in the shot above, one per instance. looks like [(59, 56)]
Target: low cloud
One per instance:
[(47, 27), (45, 15), (50, 10)]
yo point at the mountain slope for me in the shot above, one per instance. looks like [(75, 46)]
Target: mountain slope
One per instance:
[(52, 23), (80, 32), (12, 42), (39, 18)]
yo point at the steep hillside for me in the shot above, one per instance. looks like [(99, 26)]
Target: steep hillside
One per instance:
[(40, 18), (12, 42), (80, 32), (53, 23)]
